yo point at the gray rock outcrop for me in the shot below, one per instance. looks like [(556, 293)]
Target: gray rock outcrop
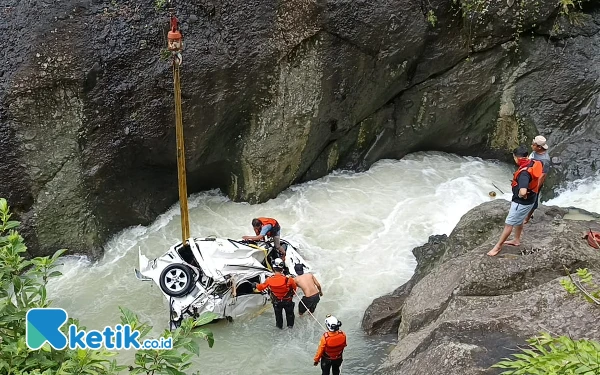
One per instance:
[(463, 311)]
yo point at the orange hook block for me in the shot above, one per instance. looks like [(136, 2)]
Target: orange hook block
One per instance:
[(174, 37)]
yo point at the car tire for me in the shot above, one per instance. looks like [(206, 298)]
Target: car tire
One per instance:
[(177, 280)]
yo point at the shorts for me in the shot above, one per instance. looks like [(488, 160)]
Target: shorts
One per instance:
[(310, 302), (517, 213), (276, 232)]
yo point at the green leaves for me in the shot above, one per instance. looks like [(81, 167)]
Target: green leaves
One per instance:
[(23, 286), (205, 319), (5, 223), (584, 286), (159, 4), (554, 355), (193, 347), (184, 338), (128, 317), (561, 355), (10, 225), (569, 286), (585, 276)]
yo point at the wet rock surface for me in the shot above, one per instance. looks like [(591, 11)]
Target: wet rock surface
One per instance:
[(273, 94), (463, 311)]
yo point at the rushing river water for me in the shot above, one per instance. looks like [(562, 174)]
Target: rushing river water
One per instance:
[(357, 231)]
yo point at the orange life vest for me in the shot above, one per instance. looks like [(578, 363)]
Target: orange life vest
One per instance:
[(267, 221), (334, 345), (535, 169), (282, 287)]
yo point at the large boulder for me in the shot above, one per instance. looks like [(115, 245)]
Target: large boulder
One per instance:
[(463, 311), (274, 93), (383, 315)]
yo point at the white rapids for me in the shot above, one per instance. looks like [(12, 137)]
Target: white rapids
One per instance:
[(357, 231)]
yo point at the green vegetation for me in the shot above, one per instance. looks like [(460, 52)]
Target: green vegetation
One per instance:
[(555, 356), (171, 362), (584, 286), (560, 355), (571, 11), (23, 286), (159, 4), (565, 6), (477, 13), (431, 18), (165, 54)]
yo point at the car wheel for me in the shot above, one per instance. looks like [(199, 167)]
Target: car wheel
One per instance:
[(177, 280)]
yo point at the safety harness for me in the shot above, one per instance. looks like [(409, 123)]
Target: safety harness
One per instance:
[(287, 297)]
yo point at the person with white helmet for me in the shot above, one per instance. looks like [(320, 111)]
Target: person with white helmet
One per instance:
[(331, 347), (282, 289)]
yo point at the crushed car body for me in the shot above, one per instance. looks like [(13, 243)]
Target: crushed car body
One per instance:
[(215, 275)]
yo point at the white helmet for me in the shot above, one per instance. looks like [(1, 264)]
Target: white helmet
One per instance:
[(278, 264), (332, 323)]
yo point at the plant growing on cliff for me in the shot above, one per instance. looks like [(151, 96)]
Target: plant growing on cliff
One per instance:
[(476, 13), (560, 355), (571, 10), (565, 6), (23, 286), (165, 54), (159, 4), (431, 18), (584, 286)]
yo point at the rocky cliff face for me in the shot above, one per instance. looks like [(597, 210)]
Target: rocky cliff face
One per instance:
[(463, 311), (274, 93)]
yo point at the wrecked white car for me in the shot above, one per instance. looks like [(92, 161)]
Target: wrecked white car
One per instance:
[(215, 275)]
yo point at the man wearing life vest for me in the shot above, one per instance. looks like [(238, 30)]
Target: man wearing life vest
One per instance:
[(525, 185), (540, 152), (282, 289), (266, 226), (331, 347)]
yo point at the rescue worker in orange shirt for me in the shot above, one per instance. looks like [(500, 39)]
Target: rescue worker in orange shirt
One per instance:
[(266, 226), (331, 347), (282, 290)]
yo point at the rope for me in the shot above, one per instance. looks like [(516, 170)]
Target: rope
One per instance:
[(497, 188), (259, 312), (185, 224), (316, 320), (266, 255)]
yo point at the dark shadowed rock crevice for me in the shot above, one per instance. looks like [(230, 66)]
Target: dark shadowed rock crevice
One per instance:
[(273, 94), (464, 310), (383, 315)]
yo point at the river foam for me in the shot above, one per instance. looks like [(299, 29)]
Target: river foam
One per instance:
[(357, 231)]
